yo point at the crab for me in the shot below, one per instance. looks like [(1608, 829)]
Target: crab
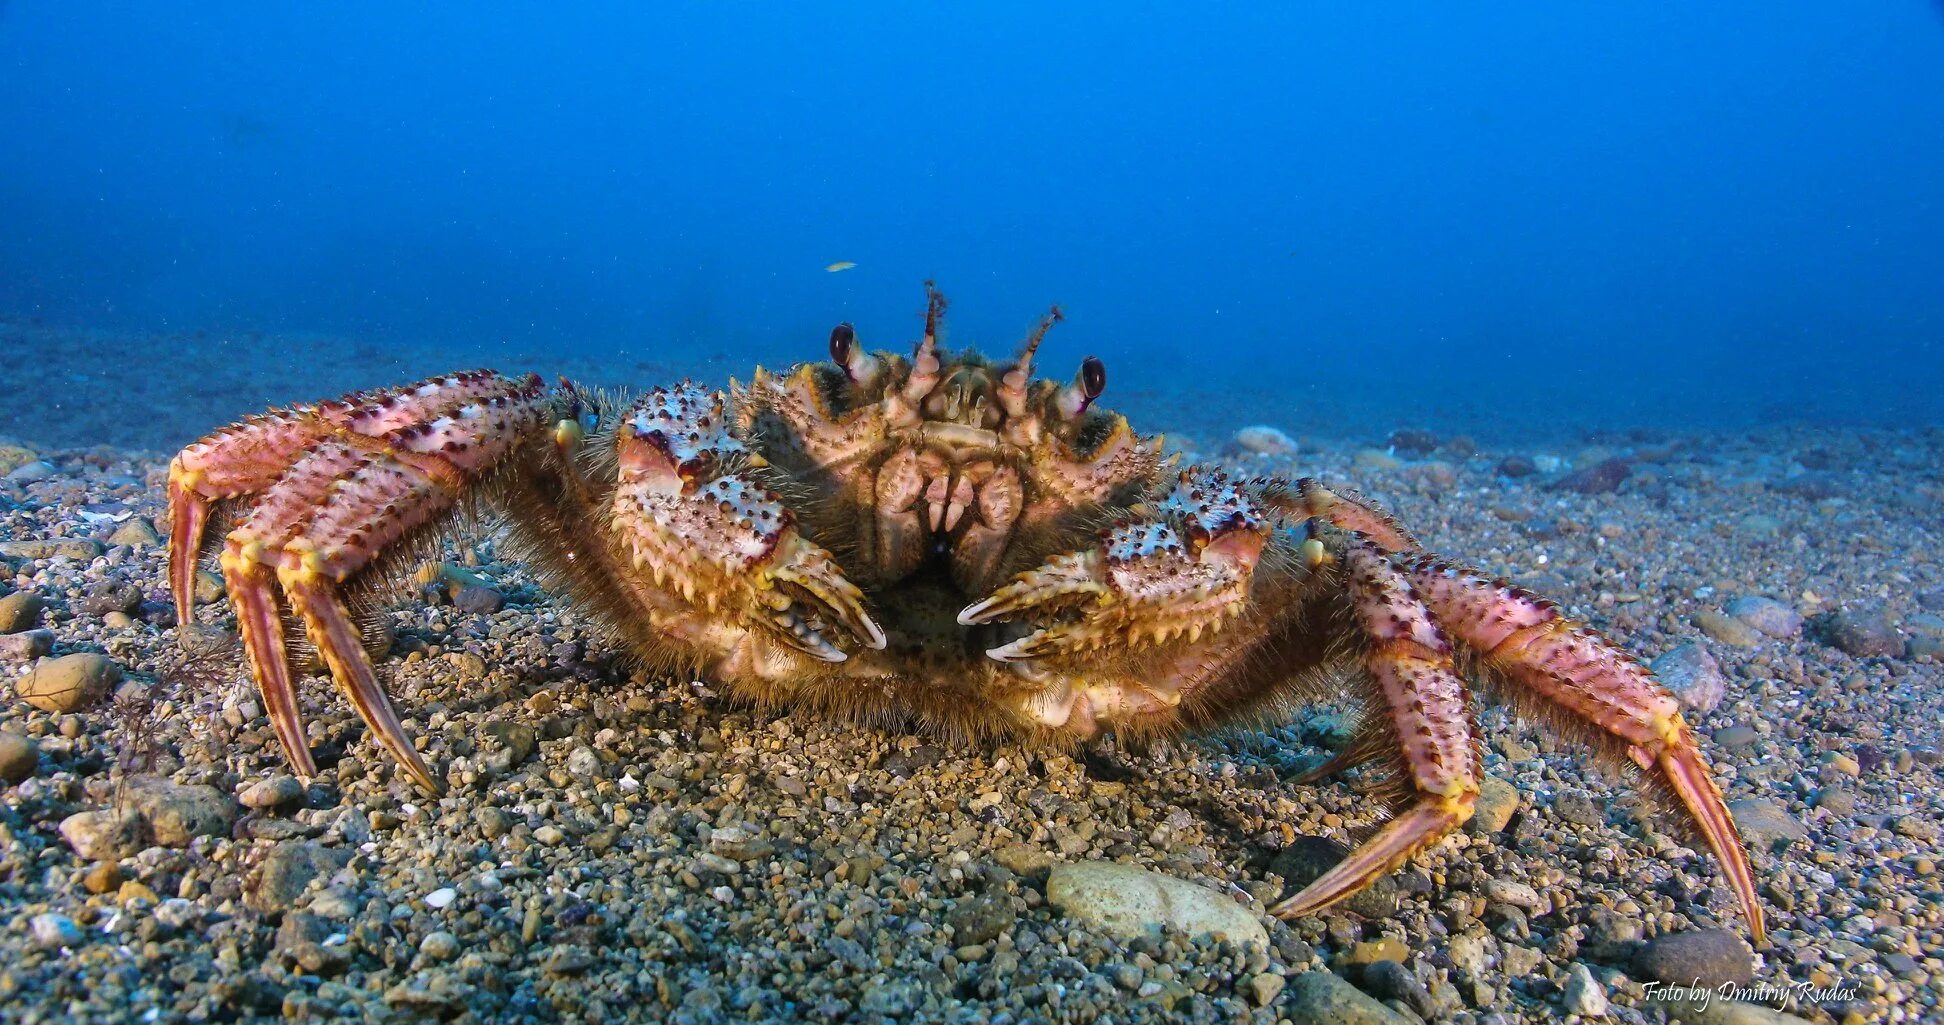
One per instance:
[(941, 541)]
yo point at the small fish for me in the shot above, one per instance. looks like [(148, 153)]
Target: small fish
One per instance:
[(840, 265)]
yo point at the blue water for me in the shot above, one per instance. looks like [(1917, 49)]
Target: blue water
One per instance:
[(1618, 215)]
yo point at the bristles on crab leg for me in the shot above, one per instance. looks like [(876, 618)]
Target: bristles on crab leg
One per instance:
[(1425, 703), (1347, 509), (1550, 660)]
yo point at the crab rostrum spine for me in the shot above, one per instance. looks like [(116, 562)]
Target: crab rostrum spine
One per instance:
[(940, 540)]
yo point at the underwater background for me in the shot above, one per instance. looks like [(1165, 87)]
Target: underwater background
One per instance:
[(1339, 218)]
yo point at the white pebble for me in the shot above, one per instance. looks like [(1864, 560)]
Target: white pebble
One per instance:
[(441, 897)]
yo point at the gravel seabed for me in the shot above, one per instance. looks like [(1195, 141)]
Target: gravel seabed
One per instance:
[(617, 847)]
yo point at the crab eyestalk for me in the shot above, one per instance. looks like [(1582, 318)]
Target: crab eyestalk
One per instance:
[(860, 366), (1089, 382)]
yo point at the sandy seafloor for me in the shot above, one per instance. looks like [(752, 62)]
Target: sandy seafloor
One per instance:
[(618, 847)]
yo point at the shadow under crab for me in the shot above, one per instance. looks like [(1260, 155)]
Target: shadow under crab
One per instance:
[(941, 540)]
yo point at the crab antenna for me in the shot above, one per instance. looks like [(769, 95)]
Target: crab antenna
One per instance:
[(925, 363), (1012, 387)]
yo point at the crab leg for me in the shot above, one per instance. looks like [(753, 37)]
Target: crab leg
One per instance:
[(1550, 659), (1428, 712)]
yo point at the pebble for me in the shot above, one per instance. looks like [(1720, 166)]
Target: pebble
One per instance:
[(1726, 629), (1693, 675), (1498, 801), (481, 601), (1412, 441), (1265, 440), (441, 897), (1712, 956), (205, 641), (135, 532), (439, 946), (1861, 632), (1734, 738), (1599, 479), (175, 814), (1766, 824), (1513, 892), (740, 843), (1583, 995), (106, 835), (272, 792), (981, 919), (29, 473), (102, 877), (68, 683), (1757, 525), (1128, 901), (1321, 997), (76, 549), (26, 645), (52, 931), (1767, 615), (19, 611), (1265, 987), (289, 869), (1517, 466), (19, 756)]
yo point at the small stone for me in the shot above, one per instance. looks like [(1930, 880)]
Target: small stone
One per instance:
[(493, 823), (1712, 956), (1862, 632), (1693, 675), (76, 549), (105, 835), (28, 473), (1497, 802), (1412, 441), (740, 843), (1765, 824), (1024, 860), (1767, 615), (1726, 629), (112, 596), (585, 764), (19, 756), (981, 919), (102, 877), (19, 611), (441, 897), (1128, 901), (273, 792), (132, 890), (510, 744), (135, 532), (1499, 890), (303, 940), (1576, 807), (52, 931), (1599, 479), (1265, 987), (176, 814), (439, 946), (1758, 526), (1369, 952), (1843, 764), (1324, 998), (1516, 467), (1264, 440), (69, 683), (26, 645), (177, 913), (1583, 994), (483, 601), (204, 641), (548, 836), (289, 869), (1734, 738)]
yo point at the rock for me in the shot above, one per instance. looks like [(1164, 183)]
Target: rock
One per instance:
[(52, 931), (69, 683), (1734, 738), (1862, 632), (304, 940), (289, 869), (1767, 615), (1128, 901), (106, 835), (740, 843), (1813, 485), (1412, 442), (1500, 890), (102, 877), (1707, 956), (1758, 526), (1516, 467), (1498, 801), (20, 611), (1305, 860), (274, 792), (478, 600), (1436, 475), (981, 919), (511, 744), (1693, 675), (1265, 987), (1265, 440), (1024, 859), (1390, 980), (1377, 459), (28, 473), (1765, 824), (26, 645), (1322, 998), (19, 756), (1583, 994), (12, 457), (1364, 953), (1599, 479), (204, 641), (1576, 807), (78, 549), (441, 898), (176, 814), (136, 532), (439, 946), (1726, 629), (110, 596)]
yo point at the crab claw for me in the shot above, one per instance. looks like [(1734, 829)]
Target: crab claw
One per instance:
[(805, 575)]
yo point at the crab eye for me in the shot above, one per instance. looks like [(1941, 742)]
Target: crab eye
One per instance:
[(1093, 377), (843, 338)]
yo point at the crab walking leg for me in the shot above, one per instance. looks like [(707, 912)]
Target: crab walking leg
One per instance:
[(1527, 641), (1346, 509), (1425, 702)]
